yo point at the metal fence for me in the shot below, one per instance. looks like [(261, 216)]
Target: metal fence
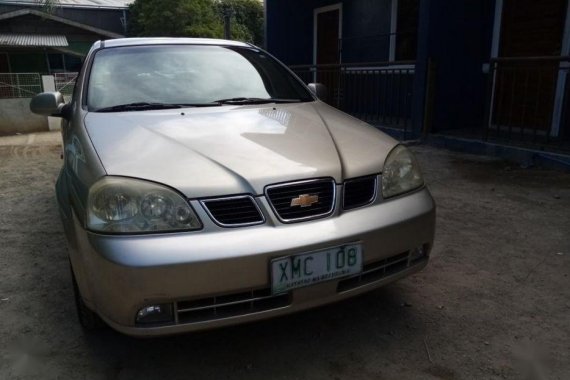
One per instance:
[(65, 83), (377, 92), (529, 101), (19, 85)]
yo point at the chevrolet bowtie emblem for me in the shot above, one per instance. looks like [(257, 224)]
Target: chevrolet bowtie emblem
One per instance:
[(304, 200)]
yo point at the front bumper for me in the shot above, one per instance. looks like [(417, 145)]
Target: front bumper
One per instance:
[(118, 275)]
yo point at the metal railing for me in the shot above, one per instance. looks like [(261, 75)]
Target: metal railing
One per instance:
[(65, 83), (379, 93), (528, 101), (20, 85)]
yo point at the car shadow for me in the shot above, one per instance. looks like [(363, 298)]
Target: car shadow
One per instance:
[(379, 318)]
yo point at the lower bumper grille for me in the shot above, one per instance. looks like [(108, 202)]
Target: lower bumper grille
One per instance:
[(377, 271), (260, 300), (231, 305)]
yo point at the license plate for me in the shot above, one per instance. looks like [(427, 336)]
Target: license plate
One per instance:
[(311, 268)]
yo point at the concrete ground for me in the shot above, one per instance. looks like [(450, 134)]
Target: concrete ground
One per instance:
[(494, 303)]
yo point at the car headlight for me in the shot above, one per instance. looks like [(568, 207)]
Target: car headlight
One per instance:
[(126, 205), (401, 173)]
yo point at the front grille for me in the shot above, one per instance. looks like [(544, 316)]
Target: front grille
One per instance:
[(234, 211), (230, 305), (302, 200), (377, 271), (359, 192)]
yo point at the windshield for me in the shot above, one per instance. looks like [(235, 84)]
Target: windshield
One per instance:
[(187, 75)]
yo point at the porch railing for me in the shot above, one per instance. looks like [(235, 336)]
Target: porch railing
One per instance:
[(529, 101), (379, 93)]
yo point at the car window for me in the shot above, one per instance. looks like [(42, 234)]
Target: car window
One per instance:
[(194, 74)]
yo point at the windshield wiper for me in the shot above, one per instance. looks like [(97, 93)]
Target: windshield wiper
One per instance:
[(144, 106), (243, 100)]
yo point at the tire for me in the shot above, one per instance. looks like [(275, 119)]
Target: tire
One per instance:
[(88, 319)]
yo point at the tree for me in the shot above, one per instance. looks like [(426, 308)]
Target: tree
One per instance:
[(191, 18), (197, 18), (47, 5), (248, 16), (174, 18)]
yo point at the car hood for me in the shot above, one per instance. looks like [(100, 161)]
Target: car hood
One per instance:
[(236, 149)]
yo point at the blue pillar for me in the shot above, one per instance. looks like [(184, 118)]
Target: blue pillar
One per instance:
[(420, 77), (455, 36)]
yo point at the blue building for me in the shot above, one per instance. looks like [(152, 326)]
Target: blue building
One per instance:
[(495, 70)]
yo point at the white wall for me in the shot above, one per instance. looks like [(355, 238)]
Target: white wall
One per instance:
[(16, 117)]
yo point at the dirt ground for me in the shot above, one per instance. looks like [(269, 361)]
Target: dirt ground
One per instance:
[(493, 303)]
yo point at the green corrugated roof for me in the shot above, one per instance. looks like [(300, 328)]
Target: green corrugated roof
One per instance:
[(32, 40)]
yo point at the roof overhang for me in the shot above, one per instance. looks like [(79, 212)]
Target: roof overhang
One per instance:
[(23, 12), (32, 40), (88, 4)]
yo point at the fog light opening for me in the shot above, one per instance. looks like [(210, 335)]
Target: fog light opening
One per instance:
[(154, 314), (418, 253)]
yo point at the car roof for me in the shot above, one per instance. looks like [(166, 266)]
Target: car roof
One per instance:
[(166, 41)]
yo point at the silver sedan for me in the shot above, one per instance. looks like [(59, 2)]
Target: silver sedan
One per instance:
[(205, 185)]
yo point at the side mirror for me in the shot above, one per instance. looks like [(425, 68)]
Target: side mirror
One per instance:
[(48, 104), (320, 90)]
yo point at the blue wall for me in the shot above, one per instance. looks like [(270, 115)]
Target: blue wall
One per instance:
[(454, 35), (290, 29), (366, 28)]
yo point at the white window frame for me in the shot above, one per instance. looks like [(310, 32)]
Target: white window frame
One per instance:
[(497, 29), (494, 54), (562, 74), (318, 11), (393, 31), (394, 40), (265, 25)]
